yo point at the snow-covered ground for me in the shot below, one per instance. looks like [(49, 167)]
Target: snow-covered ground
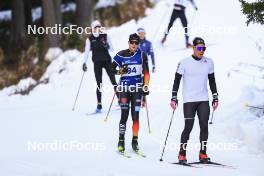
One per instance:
[(45, 115)]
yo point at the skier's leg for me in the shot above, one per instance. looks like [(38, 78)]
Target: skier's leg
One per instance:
[(203, 113), (185, 26), (125, 99), (189, 110), (172, 19), (135, 108), (111, 76), (98, 78), (124, 103)]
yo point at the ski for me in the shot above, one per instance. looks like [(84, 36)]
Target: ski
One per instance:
[(140, 153), (93, 113), (101, 112), (123, 154), (185, 164), (210, 163)]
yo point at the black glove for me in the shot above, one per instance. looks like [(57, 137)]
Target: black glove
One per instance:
[(84, 67), (145, 91), (123, 70), (153, 68), (196, 8)]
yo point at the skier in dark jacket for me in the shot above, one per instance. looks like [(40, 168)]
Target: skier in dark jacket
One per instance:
[(195, 71), (132, 64), (99, 43), (179, 12), (146, 46)]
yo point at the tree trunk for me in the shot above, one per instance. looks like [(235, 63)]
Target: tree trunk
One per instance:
[(18, 24), (84, 12), (58, 13), (28, 13), (51, 17)]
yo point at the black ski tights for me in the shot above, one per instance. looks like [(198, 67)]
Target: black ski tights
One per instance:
[(179, 14), (125, 99), (98, 70), (203, 111)]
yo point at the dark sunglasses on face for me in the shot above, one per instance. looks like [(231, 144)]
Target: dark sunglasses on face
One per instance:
[(134, 42), (200, 48)]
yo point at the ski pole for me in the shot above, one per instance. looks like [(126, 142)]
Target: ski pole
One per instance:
[(247, 105), (110, 107), (73, 108), (147, 114), (167, 136), (211, 121)]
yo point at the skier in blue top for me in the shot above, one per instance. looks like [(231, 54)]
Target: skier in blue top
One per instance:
[(146, 46), (132, 65)]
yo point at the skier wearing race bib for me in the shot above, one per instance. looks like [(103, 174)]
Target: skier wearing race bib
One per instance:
[(179, 12), (195, 71), (132, 64), (99, 43)]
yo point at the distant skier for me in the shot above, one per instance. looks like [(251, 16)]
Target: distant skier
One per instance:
[(146, 46), (195, 70), (132, 64), (179, 12), (99, 43)]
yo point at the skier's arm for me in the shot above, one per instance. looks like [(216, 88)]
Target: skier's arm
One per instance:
[(213, 88), (151, 52), (212, 83), (145, 70), (122, 68), (111, 48), (176, 84), (113, 68), (86, 50)]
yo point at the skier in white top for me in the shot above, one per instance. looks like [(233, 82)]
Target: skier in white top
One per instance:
[(100, 44), (195, 71)]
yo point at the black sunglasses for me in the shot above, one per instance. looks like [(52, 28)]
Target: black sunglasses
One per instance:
[(133, 42)]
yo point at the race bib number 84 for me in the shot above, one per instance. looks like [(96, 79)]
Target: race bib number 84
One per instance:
[(133, 70)]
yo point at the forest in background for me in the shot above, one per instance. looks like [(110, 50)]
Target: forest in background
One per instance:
[(22, 55)]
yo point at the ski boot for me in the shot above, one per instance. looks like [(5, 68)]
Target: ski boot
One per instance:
[(182, 157), (121, 146), (98, 108), (203, 157), (135, 144)]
